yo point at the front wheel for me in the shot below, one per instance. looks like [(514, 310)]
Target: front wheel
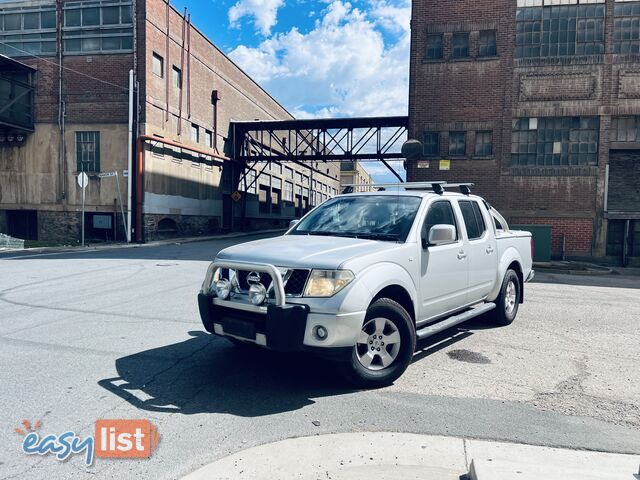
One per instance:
[(384, 347), (508, 299)]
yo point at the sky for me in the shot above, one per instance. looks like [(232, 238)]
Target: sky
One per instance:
[(318, 58)]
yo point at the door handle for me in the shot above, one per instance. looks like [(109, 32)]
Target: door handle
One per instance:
[(461, 255), (489, 249)]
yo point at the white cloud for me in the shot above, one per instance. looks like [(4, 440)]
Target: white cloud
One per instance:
[(353, 62), (264, 13)]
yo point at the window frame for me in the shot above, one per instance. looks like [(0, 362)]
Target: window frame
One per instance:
[(476, 212), (454, 47), (436, 150), (176, 73), (425, 234), (464, 143), (156, 56), (435, 49), (95, 141), (489, 53), (481, 134)]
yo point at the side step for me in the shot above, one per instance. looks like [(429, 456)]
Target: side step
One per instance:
[(454, 320)]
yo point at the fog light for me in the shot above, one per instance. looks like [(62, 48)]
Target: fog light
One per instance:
[(257, 294), (321, 332), (223, 288)]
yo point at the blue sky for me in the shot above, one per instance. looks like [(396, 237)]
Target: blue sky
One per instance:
[(319, 58)]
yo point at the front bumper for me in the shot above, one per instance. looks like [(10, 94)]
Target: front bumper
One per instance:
[(282, 328)]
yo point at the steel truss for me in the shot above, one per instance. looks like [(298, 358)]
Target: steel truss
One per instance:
[(327, 140)]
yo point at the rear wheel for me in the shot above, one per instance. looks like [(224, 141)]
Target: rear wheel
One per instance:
[(508, 300), (384, 347)]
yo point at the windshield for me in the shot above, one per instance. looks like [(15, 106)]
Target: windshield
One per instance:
[(374, 217)]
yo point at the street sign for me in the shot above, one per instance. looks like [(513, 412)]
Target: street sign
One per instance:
[(106, 174), (125, 173), (236, 196), (83, 180)]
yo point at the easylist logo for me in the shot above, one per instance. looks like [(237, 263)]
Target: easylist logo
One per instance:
[(112, 439)]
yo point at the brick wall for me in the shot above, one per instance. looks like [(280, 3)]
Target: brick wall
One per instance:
[(578, 233), (486, 94)]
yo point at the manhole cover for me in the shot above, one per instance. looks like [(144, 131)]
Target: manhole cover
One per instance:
[(468, 356)]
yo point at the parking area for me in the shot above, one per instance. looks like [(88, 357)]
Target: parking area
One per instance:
[(116, 334)]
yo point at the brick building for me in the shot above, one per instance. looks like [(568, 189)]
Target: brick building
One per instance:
[(538, 103), (353, 172), (75, 58)]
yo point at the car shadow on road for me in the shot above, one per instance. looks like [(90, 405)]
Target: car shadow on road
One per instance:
[(206, 374)]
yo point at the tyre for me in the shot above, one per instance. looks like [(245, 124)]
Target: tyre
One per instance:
[(508, 299), (384, 347)]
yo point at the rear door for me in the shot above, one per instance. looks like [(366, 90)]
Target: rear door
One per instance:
[(443, 269), (481, 250)]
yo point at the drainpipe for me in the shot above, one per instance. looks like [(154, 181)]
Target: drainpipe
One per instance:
[(130, 158)]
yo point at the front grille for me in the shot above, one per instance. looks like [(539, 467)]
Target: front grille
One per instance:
[(294, 282), (297, 281)]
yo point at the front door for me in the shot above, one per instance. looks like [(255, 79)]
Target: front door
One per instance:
[(443, 268)]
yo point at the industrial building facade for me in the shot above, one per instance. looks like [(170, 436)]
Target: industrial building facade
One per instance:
[(538, 103), (74, 59)]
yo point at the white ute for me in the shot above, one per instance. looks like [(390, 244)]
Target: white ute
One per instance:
[(363, 276)]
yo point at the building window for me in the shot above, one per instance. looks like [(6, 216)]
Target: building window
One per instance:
[(626, 28), (94, 26), (176, 77), (555, 141), (434, 46), (88, 151), (158, 65), (288, 191), (625, 129), (28, 30), (560, 30), (431, 143), (347, 166), (457, 144), (195, 133), (484, 143), (208, 138), (460, 45), (487, 44)]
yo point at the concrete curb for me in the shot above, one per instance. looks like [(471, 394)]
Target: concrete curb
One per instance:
[(155, 243), (387, 456)]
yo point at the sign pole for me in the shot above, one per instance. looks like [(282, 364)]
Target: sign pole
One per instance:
[(83, 197), (124, 220)]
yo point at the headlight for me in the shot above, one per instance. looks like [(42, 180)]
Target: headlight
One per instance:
[(326, 283), (257, 294), (223, 288)]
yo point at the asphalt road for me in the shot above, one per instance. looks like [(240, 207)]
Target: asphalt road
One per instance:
[(116, 334)]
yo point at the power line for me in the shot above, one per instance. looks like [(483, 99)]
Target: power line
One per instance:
[(66, 68)]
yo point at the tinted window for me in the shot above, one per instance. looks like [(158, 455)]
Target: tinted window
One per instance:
[(473, 221), (440, 213)]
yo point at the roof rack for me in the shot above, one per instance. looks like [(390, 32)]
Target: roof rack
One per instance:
[(436, 186)]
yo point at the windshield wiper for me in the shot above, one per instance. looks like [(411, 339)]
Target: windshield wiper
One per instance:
[(375, 236)]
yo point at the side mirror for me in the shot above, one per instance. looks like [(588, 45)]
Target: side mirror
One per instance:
[(293, 223), (440, 235)]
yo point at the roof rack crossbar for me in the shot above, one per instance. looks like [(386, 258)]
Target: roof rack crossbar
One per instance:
[(435, 186)]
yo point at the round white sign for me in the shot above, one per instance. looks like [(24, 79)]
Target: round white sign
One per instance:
[(83, 180)]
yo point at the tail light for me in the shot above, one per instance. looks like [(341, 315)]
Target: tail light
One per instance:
[(531, 248)]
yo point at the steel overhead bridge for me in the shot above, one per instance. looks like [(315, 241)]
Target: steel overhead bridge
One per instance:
[(326, 139)]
